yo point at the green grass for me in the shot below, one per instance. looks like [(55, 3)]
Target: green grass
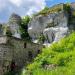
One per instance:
[(61, 53)]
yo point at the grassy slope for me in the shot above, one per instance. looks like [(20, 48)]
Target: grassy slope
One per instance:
[(62, 54)]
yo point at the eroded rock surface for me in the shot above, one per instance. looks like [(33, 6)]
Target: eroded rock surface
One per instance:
[(14, 23), (53, 27)]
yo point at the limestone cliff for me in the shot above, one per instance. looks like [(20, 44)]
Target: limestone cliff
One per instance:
[(53, 26)]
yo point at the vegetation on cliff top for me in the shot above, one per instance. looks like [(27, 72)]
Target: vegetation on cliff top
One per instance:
[(55, 9), (48, 10)]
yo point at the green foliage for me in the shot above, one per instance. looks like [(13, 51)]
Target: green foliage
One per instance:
[(24, 27), (67, 8), (25, 20), (41, 38), (70, 13), (44, 11), (13, 73), (73, 14), (10, 73), (7, 31), (61, 53)]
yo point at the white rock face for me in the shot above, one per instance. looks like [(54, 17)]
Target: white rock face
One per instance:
[(17, 35), (54, 27), (14, 22), (15, 30)]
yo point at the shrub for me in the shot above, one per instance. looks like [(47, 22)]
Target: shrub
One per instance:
[(67, 8), (7, 31), (41, 38), (24, 27)]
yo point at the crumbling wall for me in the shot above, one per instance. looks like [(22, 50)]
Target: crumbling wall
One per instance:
[(19, 51)]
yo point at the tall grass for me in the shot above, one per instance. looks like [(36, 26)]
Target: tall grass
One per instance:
[(61, 53)]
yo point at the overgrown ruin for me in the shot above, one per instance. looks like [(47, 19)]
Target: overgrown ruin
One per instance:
[(13, 48)]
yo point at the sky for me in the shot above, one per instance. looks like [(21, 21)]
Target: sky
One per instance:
[(24, 7)]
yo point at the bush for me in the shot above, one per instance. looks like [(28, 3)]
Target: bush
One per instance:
[(67, 8), (7, 31), (41, 38), (24, 27)]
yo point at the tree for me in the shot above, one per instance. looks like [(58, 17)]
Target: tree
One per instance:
[(67, 8), (24, 27)]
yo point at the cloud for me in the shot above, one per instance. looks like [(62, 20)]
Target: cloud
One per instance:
[(21, 7), (16, 2)]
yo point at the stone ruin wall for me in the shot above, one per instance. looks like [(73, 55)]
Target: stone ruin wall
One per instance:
[(14, 50)]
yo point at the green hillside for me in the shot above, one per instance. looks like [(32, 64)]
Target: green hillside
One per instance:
[(58, 59)]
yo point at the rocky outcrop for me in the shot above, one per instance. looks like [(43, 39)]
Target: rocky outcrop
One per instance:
[(53, 27), (14, 22)]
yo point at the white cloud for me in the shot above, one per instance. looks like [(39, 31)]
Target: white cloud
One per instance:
[(16, 2), (37, 5), (22, 7), (30, 6)]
